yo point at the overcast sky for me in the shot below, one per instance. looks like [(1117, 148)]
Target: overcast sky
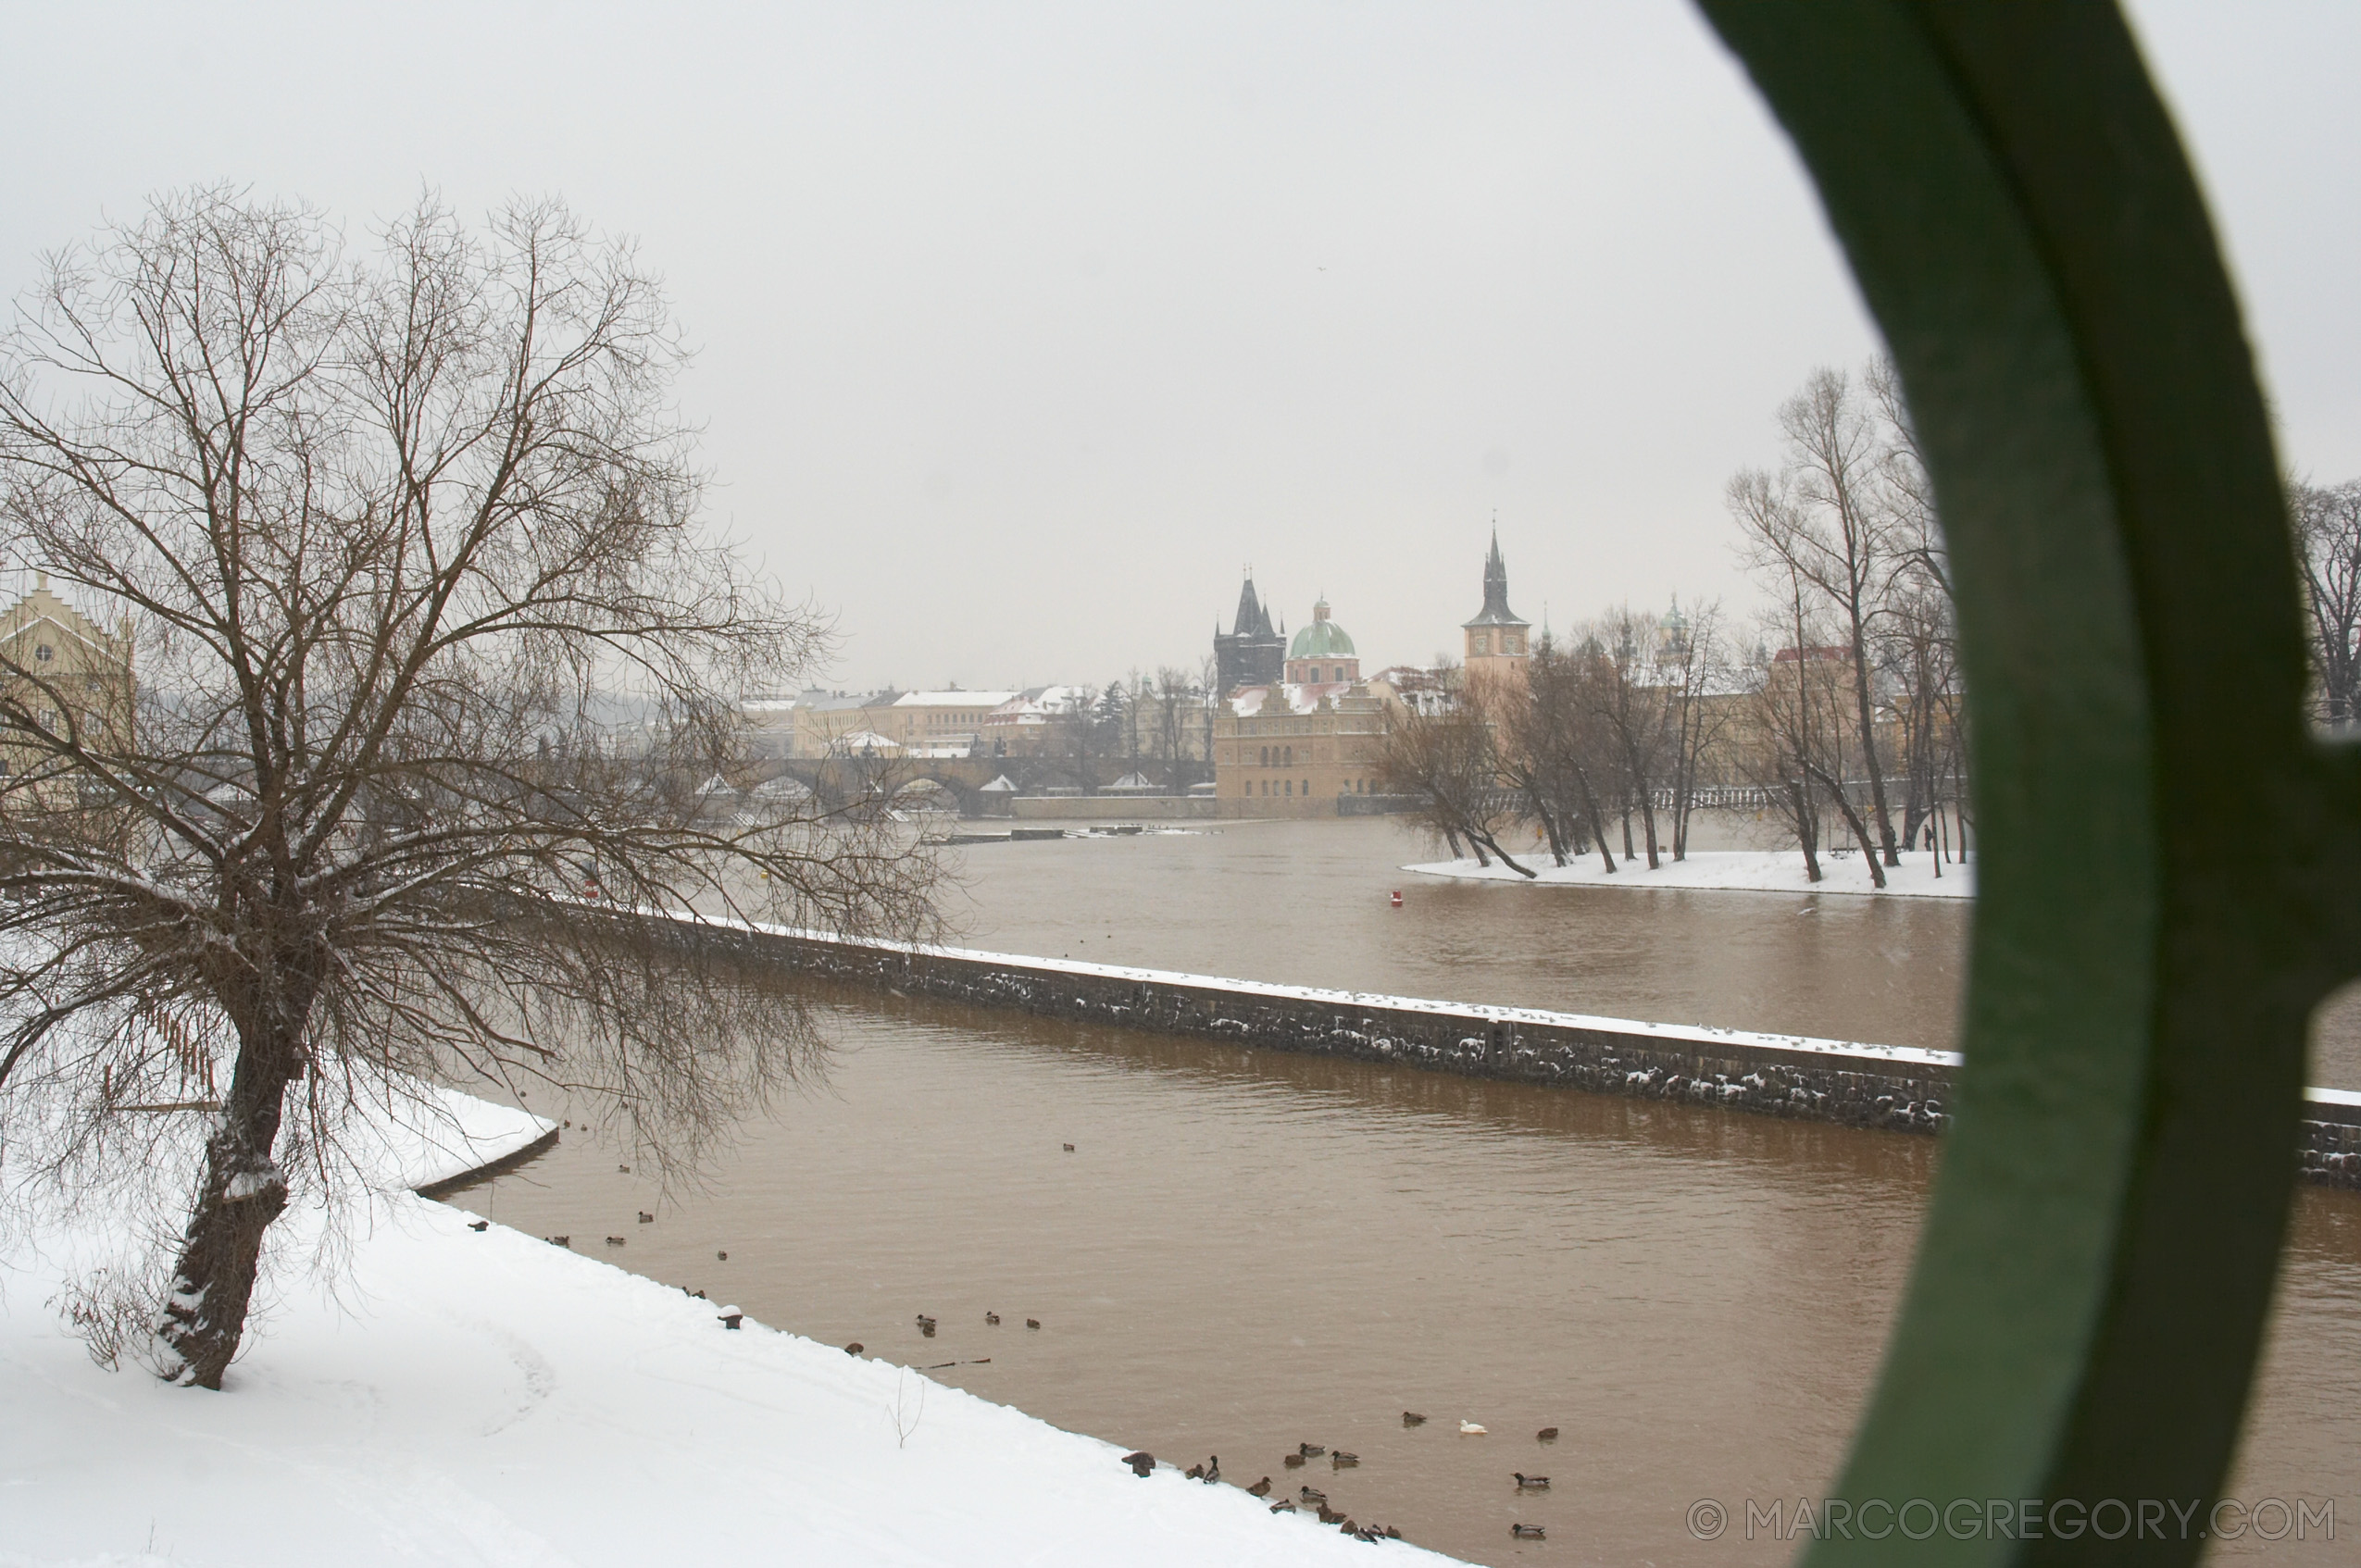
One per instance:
[(1024, 327)]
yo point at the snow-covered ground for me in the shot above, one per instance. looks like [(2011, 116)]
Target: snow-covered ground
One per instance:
[(1752, 871), (486, 1397)]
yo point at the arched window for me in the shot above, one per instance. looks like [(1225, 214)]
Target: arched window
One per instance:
[(1291, 757), (1291, 786)]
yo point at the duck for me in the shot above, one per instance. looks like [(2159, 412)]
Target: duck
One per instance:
[(1412, 1418), (1213, 1470), (1470, 1429), (623, 1169), (1310, 1450), (925, 1322), (1260, 1488), (1293, 1462), (1528, 1532), (1142, 1461), (1547, 1435), (1312, 1494), (480, 1224), (1069, 1149), (1284, 1505), (1343, 1461), (1033, 1322), (615, 1241), (855, 1349), (722, 1257), (1530, 1482), (992, 1319), (1331, 1515), (1194, 1472), (646, 1218), (559, 1241)]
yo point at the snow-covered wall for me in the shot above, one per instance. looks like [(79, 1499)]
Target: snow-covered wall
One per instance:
[(1896, 1088)]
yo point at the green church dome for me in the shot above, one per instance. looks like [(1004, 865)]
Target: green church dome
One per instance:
[(1321, 639)]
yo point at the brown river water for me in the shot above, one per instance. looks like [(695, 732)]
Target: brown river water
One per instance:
[(1249, 1250)]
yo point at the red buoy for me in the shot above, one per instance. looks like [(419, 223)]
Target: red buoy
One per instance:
[(1397, 898)]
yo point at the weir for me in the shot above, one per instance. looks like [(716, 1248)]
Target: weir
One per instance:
[(1897, 1088)]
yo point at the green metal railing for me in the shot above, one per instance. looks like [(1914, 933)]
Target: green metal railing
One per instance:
[(2088, 1301)]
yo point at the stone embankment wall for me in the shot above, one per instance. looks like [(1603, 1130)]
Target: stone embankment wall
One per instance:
[(1894, 1088)]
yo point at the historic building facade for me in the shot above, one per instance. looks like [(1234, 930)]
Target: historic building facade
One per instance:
[(1498, 647), (71, 667), (1304, 740)]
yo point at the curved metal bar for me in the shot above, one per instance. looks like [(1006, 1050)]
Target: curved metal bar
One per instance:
[(2162, 844)]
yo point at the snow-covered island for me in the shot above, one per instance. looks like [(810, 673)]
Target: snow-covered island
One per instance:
[(483, 1397), (1752, 871)]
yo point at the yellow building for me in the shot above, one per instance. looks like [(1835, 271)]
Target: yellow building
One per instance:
[(1297, 748), (1498, 647), (58, 662), (941, 724)]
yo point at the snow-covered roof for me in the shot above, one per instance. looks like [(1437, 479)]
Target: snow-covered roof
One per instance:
[(1248, 701), (954, 698), (865, 739), (1003, 785), (768, 705)]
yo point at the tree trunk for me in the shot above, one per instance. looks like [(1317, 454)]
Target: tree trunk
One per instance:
[(242, 1190), (1598, 824), (1870, 748), (1860, 829), (1506, 858), (1807, 830)]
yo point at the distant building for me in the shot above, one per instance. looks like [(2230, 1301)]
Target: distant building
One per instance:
[(1251, 653), (1497, 646), (72, 667), (1298, 747), (943, 724), (823, 720), (1322, 653), (1029, 724)]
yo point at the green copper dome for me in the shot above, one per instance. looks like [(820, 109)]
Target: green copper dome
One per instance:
[(1321, 639)]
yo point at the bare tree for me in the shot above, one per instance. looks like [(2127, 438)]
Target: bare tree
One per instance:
[(2328, 533), (434, 663), (1450, 762), (1557, 751), (1825, 522), (1700, 684)]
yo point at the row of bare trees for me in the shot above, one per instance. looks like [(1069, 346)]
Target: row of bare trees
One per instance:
[(1853, 725), (1859, 712), (1604, 739)]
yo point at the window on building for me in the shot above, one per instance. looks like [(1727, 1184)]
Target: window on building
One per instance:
[(1291, 786), (45, 652), (1291, 756)]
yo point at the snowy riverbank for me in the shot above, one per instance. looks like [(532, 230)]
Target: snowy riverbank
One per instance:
[(486, 1398), (1751, 871)]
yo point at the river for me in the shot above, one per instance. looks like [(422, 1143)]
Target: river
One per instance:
[(1246, 1251)]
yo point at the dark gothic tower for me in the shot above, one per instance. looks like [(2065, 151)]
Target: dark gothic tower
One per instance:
[(1253, 655)]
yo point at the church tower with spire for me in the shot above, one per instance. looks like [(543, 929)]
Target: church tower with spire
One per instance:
[(1497, 646), (1251, 653)]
